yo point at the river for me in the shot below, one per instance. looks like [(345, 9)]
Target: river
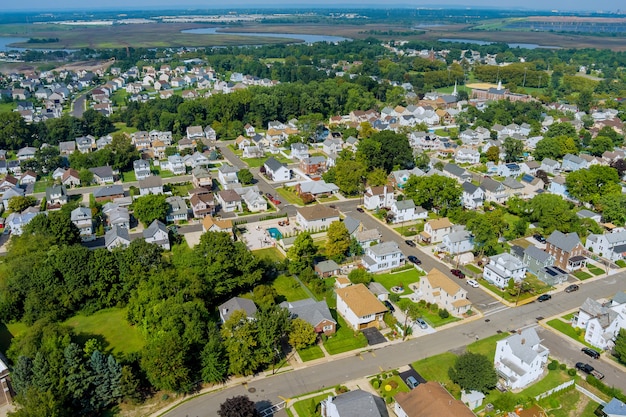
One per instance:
[(511, 45), (300, 36)]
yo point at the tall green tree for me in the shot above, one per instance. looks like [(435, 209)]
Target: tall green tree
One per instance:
[(337, 241), (150, 207), (620, 346), (245, 176), (588, 185), (302, 334), (386, 150), (301, 254), (213, 358), (163, 359), (241, 340), (473, 371), (513, 149), (433, 192)]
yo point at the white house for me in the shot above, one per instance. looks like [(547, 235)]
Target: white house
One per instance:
[(142, 169), (437, 288), (608, 245), (151, 185), (157, 233), (316, 218), (378, 197), (175, 164), (82, 219), (458, 241), (116, 237), (254, 201), (178, 210), (467, 156), (501, 268), (299, 151), (229, 201), (237, 304), (405, 211), (360, 307), (435, 230), (276, 171), (353, 403), (227, 176), (520, 358), (386, 255), (472, 197), (602, 321)]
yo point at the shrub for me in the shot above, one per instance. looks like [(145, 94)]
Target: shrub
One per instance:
[(553, 365), (388, 400), (376, 384), (571, 372), (395, 372), (610, 391), (562, 367), (394, 298), (443, 313), (341, 389)]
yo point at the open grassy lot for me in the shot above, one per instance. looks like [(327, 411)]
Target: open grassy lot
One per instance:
[(310, 353), (289, 195), (272, 254), (487, 346), (404, 278), (121, 127), (288, 287), (345, 339), (389, 387), (111, 327), (595, 270)]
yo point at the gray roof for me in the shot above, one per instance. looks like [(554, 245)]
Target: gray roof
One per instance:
[(151, 182), (114, 233), (584, 213), (615, 408), (80, 213), (454, 169), (108, 191), (273, 165), (535, 253), (357, 403), (236, 304), (154, 227), (593, 308), (377, 288), (102, 172), (469, 188), (619, 298), (565, 242), (574, 159), (226, 169), (56, 189), (549, 162), (405, 204), (492, 185), (309, 310), (327, 266), (351, 224), (385, 248), (522, 344), (512, 183)]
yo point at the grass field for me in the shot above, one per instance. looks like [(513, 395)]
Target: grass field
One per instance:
[(568, 330), (345, 339), (289, 196), (309, 406), (403, 278), (310, 353), (595, 270), (289, 288), (272, 254), (111, 327)]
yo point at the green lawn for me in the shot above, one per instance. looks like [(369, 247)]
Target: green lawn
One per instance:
[(121, 127), (409, 230), (258, 162), (582, 275), (111, 327), (310, 406), (163, 173), (537, 287), (403, 278), (7, 107), (487, 346), (345, 339), (435, 368), (181, 190), (474, 268), (272, 254), (311, 353), (568, 330), (289, 288), (595, 270), (290, 196), (421, 310), (129, 176), (391, 386), (41, 185)]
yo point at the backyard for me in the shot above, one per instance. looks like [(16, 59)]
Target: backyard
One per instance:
[(345, 339), (399, 279)]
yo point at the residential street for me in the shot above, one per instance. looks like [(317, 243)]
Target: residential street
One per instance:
[(350, 366)]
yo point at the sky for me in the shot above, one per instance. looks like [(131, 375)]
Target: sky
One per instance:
[(60, 5)]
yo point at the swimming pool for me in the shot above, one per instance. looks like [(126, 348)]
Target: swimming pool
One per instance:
[(275, 233)]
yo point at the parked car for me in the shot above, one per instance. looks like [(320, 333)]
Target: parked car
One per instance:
[(472, 283), (414, 259), (588, 369), (410, 243), (590, 352), (332, 206), (421, 323), (389, 306), (360, 210), (457, 273), (572, 288), (411, 382), (539, 238), (544, 297)]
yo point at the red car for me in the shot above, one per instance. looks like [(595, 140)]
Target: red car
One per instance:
[(457, 273)]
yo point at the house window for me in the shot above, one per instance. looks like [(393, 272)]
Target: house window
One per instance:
[(328, 328)]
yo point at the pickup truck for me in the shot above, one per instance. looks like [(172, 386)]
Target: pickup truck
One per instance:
[(588, 369)]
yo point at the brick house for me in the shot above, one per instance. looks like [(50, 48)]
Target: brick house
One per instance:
[(567, 250)]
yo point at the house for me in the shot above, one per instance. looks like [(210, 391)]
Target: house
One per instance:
[(202, 205), (588, 214), (494, 191), (509, 170), (316, 313), (227, 176), (85, 144), (398, 178), (332, 145), (378, 290), (327, 268), (151, 185), (602, 321), (316, 188), (116, 237), (609, 245), (472, 197), (435, 230), (566, 250), (237, 304), (313, 165), (276, 171), (108, 193), (316, 218), (26, 153), (201, 177), (229, 201), (211, 224), (429, 399), (437, 288), (117, 215), (502, 268), (520, 358), (142, 169), (573, 163), (175, 164), (467, 156), (541, 264), (56, 195), (550, 166), (253, 152), (367, 238), (178, 210), (378, 197), (195, 132), (406, 211), (353, 403), (254, 200), (29, 177), (614, 408), (70, 178), (558, 186), (458, 241), (102, 175), (456, 173), (383, 256), (82, 219), (299, 151), (359, 307), (9, 194), (157, 233)]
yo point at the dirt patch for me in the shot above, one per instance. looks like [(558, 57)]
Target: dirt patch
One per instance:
[(87, 66), (481, 86)]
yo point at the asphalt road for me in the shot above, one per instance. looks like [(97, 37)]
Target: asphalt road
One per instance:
[(79, 106), (290, 384)]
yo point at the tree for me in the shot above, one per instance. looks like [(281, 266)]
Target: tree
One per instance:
[(85, 176), (355, 248), (14, 132), (487, 229), (337, 241), (241, 343), (620, 346), (493, 154), (150, 207), (433, 192), (347, 175), (386, 150), (613, 208), (301, 253), (302, 334), (550, 211), (213, 358), (422, 161), (360, 276), (473, 371), (123, 152), (273, 325), (163, 359), (600, 144), (19, 203), (588, 185), (377, 177), (264, 296), (513, 149), (239, 406), (245, 176)]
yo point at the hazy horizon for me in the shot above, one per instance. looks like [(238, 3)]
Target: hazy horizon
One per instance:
[(79, 5)]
